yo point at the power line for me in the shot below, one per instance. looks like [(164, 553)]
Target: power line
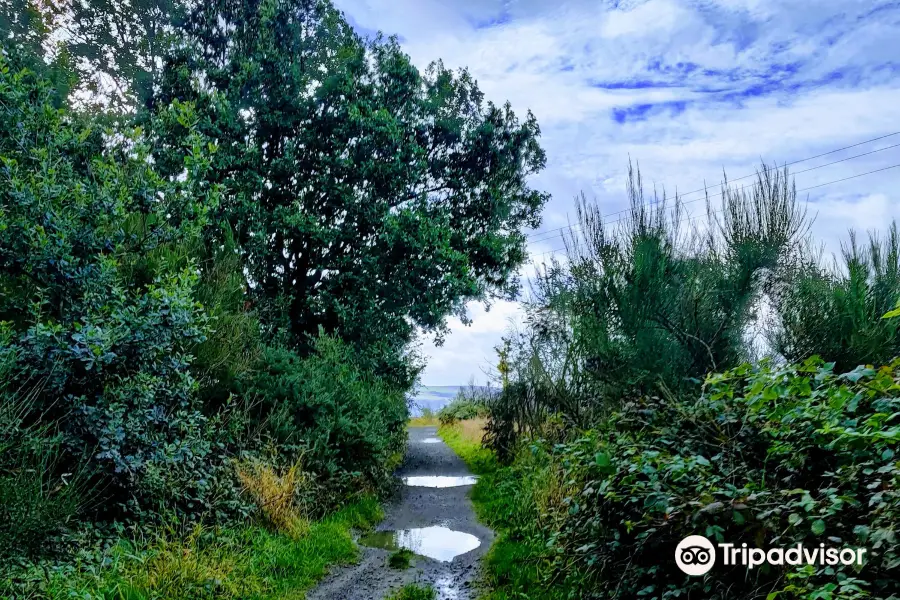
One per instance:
[(812, 187), (576, 226), (540, 233)]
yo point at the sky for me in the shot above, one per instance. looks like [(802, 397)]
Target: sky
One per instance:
[(688, 89)]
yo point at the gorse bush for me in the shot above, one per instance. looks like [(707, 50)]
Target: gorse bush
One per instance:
[(619, 444), (835, 310), (646, 302)]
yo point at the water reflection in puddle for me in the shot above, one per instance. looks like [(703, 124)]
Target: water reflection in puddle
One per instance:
[(440, 481), (431, 440), (446, 588), (439, 543)]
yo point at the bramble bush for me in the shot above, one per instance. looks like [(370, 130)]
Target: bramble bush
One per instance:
[(768, 455)]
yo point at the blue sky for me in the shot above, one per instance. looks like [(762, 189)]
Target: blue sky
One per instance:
[(688, 88)]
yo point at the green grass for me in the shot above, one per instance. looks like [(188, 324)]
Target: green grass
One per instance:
[(244, 563), (401, 559), (516, 566), (464, 438), (415, 592)]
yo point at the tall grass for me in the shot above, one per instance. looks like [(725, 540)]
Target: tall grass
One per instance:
[(415, 591), (182, 561), (38, 497), (276, 494)]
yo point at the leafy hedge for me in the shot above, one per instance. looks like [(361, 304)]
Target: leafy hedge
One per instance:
[(768, 455), (97, 300), (346, 423), (128, 354)]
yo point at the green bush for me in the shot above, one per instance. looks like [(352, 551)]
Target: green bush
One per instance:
[(771, 456), (345, 422), (469, 403), (99, 298), (835, 311)]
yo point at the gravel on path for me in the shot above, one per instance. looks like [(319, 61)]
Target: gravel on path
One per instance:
[(417, 507)]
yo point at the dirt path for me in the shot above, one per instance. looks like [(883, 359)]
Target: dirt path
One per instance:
[(419, 507)]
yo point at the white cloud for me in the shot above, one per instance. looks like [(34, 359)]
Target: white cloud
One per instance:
[(686, 87), (469, 351)]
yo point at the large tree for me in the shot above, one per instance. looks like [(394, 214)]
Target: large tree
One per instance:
[(367, 197)]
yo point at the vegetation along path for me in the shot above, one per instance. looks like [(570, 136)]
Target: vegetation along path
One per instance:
[(436, 523)]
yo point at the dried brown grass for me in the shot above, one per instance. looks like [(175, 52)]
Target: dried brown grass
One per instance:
[(275, 493)]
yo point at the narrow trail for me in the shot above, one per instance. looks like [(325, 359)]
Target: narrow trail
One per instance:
[(416, 508)]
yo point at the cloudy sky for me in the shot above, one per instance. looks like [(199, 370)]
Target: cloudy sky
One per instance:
[(688, 88)]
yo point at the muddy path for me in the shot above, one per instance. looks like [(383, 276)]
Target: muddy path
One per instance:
[(437, 523)]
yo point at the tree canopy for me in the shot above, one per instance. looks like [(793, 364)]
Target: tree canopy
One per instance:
[(367, 197)]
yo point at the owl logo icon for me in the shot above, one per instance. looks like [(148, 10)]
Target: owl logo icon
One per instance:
[(695, 555)]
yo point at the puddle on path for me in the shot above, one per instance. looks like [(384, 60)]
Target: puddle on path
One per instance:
[(431, 440), (447, 588), (440, 481), (439, 543)]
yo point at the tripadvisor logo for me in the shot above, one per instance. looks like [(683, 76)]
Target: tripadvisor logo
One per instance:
[(696, 555)]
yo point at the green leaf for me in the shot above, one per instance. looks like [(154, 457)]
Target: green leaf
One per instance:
[(818, 527)]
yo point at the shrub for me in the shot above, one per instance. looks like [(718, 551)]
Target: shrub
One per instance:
[(98, 292), (644, 303), (346, 422), (835, 311), (771, 456), (463, 408)]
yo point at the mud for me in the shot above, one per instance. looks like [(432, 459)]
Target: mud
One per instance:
[(426, 508)]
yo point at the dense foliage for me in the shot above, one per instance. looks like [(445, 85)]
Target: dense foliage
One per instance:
[(97, 299), (211, 279), (771, 456), (470, 403), (618, 444), (366, 197), (834, 311)]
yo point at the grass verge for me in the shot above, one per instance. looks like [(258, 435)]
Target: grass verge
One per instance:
[(515, 566), (198, 563)]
